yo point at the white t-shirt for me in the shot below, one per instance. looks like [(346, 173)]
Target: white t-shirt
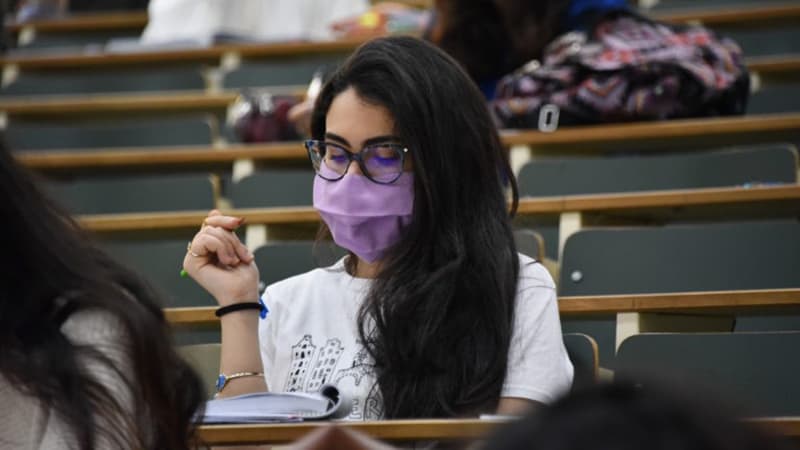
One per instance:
[(309, 338)]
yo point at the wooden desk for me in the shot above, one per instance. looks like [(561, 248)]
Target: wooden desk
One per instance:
[(774, 66), (206, 55), (143, 158), (756, 198), (732, 15), (717, 302), (405, 430), (190, 219), (659, 136), (654, 200), (70, 107), (85, 22), (389, 430)]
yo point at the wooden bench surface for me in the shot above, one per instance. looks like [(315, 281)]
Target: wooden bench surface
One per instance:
[(645, 136), (205, 55), (391, 430), (716, 302), (765, 65), (787, 195), (662, 134), (123, 20), (731, 16), (71, 106), (405, 430)]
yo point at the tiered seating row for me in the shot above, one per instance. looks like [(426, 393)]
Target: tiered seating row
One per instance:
[(714, 302), (649, 137), (763, 198)]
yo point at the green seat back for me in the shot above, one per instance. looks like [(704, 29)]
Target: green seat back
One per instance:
[(274, 188), (583, 354), (105, 136), (293, 70), (529, 243), (204, 359), (129, 194), (758, 369), (158, 78), (770, 163), (708, 257), (280, 260)]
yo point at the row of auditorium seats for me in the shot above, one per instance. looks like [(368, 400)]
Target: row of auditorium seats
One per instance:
[(772, 94), (759, 34), (188, 77), (609, 261), (280, 187)]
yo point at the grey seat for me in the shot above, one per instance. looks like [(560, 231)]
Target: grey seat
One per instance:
[(776, 96), (529, 243), (768, 38), (104, 136), (730, 167), (759, 370), (274, 188), (687, 5), (128, 194), (281, 260), (293, 70), (583, 354), (707, 257), (159, 262), (159, 78), (775, 163), (204, 359)]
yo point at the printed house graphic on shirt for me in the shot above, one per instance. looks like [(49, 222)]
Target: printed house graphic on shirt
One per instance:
[(312, 367)]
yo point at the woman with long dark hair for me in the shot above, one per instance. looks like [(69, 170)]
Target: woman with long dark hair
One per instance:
[(433, 313), (86, 360)]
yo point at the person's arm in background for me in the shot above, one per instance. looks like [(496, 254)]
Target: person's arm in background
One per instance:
[(226, 269)]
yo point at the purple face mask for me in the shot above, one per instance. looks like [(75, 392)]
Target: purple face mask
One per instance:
[(364, 217)]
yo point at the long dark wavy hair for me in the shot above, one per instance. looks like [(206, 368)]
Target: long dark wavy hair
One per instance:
[(438, 319), (51, 267)]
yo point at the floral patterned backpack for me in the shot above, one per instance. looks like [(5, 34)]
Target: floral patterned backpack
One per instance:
[(626, 68)]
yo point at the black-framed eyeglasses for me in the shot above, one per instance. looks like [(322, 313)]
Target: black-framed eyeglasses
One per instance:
[(382, 163)]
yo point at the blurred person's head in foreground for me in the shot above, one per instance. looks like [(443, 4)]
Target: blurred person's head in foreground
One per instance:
[(628, 416)]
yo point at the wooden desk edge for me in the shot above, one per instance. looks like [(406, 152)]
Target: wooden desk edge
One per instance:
[(570, 306), (678, 301), (292, 150), (84, 22), (306, 214), (394, 430), (404, 430)]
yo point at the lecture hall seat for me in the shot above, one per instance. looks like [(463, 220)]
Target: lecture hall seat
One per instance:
[(771, 163), (755, 372), (680, 258)]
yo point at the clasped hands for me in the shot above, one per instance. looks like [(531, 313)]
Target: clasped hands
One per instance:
[(218, 260)]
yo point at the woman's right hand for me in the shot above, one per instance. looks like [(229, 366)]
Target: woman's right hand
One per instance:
[(220, 262)]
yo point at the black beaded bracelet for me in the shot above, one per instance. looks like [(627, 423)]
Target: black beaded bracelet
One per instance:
[(237, 307)]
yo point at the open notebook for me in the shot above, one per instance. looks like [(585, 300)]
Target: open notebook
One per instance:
[(265, 407)]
